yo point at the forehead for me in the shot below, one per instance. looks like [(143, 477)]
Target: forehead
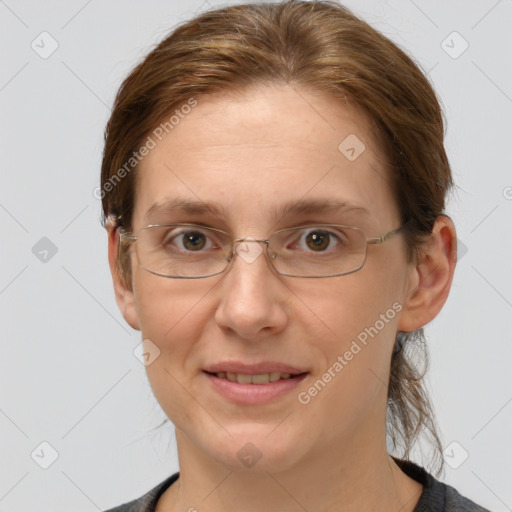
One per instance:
[(252, 154)]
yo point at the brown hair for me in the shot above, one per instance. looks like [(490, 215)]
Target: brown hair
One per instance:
[(325, 47)]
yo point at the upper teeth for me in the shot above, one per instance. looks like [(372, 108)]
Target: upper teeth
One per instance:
[(262, 378)]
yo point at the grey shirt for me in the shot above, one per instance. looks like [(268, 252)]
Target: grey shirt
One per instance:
[(436, 496)]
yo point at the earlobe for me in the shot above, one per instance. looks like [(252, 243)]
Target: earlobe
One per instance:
[(123, 290), (431, 278)]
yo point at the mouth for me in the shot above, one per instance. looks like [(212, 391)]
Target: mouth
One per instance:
[(254, 385), (260, 378)]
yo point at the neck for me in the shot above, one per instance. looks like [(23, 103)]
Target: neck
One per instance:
[(364, 477)]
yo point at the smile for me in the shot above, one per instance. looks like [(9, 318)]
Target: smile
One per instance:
[(261, 378), (254, 389)]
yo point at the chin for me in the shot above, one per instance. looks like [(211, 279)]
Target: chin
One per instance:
[(254, 450)]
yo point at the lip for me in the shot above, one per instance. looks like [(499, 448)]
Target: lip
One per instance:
[(254, 369), (254, 394)]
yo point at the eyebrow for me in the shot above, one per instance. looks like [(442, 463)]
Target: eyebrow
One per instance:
[(302, 206)]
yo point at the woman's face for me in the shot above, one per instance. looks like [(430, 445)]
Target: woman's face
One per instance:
[(251, 154)]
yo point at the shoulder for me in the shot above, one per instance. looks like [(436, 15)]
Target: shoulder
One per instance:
[(457, 503), (437, 496), (147, 503)]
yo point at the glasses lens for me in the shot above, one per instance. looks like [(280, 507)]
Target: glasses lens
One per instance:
[(318, 251), (181, 250), (184, 250)]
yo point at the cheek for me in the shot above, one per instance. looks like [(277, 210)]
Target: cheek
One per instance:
[(171, 312), (347, 306), (162, 301), (172, 316), (358, 319)]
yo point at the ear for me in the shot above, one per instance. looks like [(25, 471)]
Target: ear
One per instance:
[(123, 291), (430, 277)]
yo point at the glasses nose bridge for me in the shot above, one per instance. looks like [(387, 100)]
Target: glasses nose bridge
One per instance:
[(238, 241), (248, 257)]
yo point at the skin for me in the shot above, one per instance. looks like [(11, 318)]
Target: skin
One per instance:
[(252, 151)]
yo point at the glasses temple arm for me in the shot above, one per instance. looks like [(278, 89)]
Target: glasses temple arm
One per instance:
[(385, 237)]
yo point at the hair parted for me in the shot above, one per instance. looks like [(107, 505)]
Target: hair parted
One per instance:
[(320, 45)]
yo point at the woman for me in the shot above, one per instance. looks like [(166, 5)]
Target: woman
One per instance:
[(273, 185)]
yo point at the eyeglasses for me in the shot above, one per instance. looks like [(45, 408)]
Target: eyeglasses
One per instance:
[(190, 251)]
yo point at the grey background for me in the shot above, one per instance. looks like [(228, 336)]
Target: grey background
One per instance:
[(68, 373)]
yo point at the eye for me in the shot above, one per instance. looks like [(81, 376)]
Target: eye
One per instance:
[(321, 240), (190, 240)]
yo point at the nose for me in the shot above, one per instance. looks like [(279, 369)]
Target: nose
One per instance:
[(253, 296)]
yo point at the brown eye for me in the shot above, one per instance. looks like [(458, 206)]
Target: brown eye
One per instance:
[(318, 240), (193, 240)]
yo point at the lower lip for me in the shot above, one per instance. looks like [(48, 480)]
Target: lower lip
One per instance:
[(253, 394)]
